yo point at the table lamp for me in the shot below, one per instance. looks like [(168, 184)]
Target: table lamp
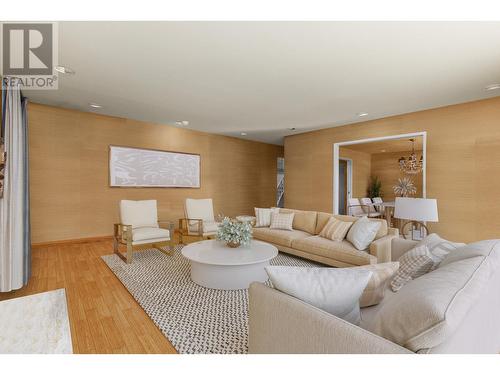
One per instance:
[(417, 211)]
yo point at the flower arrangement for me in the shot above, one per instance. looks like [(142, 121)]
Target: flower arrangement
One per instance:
[(405, 187), (234, 233)]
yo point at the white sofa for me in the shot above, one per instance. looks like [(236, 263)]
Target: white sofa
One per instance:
[(453, 309)]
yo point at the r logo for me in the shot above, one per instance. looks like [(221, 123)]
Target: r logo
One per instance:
[(27, 49)]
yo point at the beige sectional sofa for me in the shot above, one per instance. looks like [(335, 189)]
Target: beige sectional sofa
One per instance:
[(453, 309), (304, 241)]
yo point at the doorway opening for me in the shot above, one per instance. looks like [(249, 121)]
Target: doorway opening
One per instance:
[(386, 158), (345, 184)]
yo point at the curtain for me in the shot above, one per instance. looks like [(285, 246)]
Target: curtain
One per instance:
[(15, 242)]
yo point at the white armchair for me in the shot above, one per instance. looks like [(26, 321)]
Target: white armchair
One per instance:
[(139, 228), (199, 219)]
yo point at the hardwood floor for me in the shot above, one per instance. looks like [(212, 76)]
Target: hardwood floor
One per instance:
[(104, 317)]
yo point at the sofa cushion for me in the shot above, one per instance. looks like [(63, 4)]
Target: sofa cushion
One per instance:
[(335, 229), (199, 209), (334, 290), (472, 250), (375, 289), (369, 313), (342, 251), (321, 221), (278, 236), (145, 233), (428, 310), (362, 233), (139, 213), (303, 220)]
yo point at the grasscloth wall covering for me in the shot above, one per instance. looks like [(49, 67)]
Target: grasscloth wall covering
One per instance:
[(70, 193), (361, 170), (463, 165)]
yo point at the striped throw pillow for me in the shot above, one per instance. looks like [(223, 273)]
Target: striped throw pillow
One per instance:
[(282, 221), (415, 263), (263, 216), (335, 229)]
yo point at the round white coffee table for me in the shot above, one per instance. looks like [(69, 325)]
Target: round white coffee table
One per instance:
[(216, 266)]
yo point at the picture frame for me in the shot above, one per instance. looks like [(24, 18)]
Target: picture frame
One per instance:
[(145, 168)]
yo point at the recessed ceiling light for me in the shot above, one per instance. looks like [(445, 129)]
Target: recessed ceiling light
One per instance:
[(182, 123), (362, 114), (95, 105), (243, 133), (64, 69), (494, 86)]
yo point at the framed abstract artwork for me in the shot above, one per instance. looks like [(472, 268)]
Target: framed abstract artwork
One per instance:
[(138, 167)]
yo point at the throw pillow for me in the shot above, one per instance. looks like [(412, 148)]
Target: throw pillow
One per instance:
[(375, 289), (476, 249), (439, 247), (363, 232), (263, 216), (334, 290), (415, 263), (282, 221), (335, 229)]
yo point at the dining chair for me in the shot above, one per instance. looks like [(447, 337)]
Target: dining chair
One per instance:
[(378, 200), (354, 208), (199, 220), (366, 205), (139, 228)]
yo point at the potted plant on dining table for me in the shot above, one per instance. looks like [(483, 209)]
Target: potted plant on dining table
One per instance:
[(234, 233)]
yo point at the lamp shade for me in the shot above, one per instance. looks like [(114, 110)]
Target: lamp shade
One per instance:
[(418, 209)]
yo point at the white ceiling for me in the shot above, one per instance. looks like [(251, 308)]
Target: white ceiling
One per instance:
[(265, 77)]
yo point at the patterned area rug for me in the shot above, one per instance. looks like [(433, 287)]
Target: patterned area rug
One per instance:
[(193, 318)]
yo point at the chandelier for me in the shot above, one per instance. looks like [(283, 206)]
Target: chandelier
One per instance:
[(411, 165)]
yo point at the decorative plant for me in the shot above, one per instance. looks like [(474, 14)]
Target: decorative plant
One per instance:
[(234, 233), (374, 187), (405, 187)]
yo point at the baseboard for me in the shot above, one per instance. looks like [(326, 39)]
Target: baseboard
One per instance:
[(72, 241)]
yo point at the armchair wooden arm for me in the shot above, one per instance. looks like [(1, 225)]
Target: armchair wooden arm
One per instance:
[(123, 233), (169, 225), (184, 226), (166, 223), (184, 229)]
